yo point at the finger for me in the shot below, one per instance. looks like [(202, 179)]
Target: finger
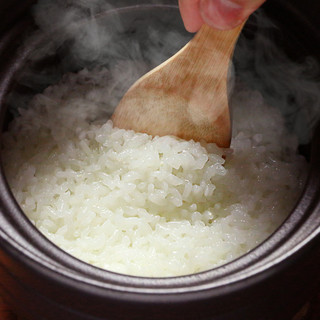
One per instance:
[(227, 14), (190, 14)]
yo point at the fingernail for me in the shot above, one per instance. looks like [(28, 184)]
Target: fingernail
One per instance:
[(221, 14)]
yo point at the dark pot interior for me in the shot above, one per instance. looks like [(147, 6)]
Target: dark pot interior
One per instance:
[(42, 282)]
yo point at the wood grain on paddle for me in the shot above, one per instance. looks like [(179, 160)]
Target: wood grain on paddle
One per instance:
[(186, 96)]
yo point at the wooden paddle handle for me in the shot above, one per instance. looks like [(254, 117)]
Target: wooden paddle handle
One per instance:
[(214, 48)]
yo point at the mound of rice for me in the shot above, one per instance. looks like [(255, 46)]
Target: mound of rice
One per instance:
[(145, 206)]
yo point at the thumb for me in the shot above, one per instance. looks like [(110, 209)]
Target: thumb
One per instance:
[(227, 14)]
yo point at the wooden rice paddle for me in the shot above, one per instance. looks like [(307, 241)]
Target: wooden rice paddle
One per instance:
[(186, 96)]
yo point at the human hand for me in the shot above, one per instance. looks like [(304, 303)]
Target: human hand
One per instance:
[(219, 14)]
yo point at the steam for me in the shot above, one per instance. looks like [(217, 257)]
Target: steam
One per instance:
[(102, 36), (77, 34), (292, 87)]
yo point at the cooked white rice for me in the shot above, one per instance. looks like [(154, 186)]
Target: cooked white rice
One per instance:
[(138, 205)]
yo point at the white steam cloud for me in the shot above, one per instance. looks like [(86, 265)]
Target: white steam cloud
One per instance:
[(79, 34), (293, 87)]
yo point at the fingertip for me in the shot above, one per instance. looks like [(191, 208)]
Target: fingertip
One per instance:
[(193, 26), (221, 14), (227, 14), (190, 14)]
